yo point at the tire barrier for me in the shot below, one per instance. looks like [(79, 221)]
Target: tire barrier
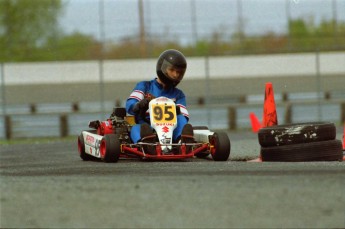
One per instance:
[(296, 133), (300, 142)]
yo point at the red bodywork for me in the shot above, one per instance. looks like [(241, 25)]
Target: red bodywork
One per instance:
[(130, 150), (105, 127), (161, 156)]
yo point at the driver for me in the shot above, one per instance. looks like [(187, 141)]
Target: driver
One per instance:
[(171, 67)]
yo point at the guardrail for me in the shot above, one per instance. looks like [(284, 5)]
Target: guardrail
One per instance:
[(284, 97), (279, 97), (38, 123)]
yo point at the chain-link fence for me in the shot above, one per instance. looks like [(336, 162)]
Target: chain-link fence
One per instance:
[(211, 27), (98, 33), (190, 20), (103, 29)]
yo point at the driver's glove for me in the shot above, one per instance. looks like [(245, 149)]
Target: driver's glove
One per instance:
[(141, 106)]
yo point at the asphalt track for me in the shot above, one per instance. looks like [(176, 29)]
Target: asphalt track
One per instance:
[(47, 185)]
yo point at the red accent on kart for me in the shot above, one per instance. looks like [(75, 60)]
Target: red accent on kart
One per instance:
[(160, 156), (102, 149), (158, 150), (183, 149), (79, 146), (106, 127), (90, 139)]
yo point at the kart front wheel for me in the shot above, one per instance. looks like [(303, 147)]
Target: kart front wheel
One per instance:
[(220, 146), (110, 148)]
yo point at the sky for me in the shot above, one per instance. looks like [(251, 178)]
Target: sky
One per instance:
[(187, 20)]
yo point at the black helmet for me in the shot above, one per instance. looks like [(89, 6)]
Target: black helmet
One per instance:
[(171, 59)]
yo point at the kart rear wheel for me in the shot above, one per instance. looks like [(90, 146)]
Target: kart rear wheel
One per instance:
[(81, 149), (220, 146), (110, 148)]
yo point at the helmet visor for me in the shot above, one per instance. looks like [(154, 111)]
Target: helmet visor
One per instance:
[(174, 73)]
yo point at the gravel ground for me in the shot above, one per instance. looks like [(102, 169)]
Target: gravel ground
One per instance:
[(46, 185)]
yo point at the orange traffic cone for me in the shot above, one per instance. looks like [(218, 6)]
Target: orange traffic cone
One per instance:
[(344, 143), (344, 138), (269, 117), (256, 125)]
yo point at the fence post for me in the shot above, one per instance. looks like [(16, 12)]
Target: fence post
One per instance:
[(232, 124), (201, 101), (63, 125), (8, 127), (75, 107), (285, 97), (2, 88), (242, 99), (288, 113), (33, 108), (327, 95), (342, 117)]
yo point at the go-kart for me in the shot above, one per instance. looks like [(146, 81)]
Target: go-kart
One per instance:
[(110, 140)]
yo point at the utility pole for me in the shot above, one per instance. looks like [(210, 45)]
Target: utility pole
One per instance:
[(142, 29), (288, 18), (148, 38), (334, 14), (240, 23), (194, 22), (3, 94), (101, 59)]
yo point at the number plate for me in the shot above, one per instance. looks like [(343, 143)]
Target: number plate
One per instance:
[(163, 120), (163, 114)]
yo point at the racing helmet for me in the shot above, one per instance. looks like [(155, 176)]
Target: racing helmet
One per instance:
[(172, 59)]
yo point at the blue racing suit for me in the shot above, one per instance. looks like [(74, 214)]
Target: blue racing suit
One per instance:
[(153, 88)]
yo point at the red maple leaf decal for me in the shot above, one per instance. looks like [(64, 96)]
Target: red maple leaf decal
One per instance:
[(165, 129)]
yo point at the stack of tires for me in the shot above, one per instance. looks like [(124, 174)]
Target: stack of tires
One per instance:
[(300, 142)]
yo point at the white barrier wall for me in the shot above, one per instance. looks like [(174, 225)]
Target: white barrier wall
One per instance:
[(219, 67)]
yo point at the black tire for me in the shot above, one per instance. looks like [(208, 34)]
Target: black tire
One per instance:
[(221, 143), (313, 151), (81, 149), (280, 135), (110, 148)]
